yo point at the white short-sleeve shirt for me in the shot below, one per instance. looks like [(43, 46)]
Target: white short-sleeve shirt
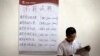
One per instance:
[(65, 48)]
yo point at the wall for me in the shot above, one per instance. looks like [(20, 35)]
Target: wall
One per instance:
[(82, 14)]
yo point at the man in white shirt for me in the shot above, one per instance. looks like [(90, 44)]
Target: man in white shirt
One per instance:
[(68, 47)]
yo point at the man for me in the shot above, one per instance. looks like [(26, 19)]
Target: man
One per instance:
[(69, 46)]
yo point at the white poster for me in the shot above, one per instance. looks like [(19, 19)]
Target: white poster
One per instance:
[(38, 26)]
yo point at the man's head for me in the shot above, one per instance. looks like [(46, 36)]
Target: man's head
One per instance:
[(70, 34)]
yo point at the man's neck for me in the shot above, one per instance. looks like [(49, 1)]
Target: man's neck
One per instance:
[(68, 41)]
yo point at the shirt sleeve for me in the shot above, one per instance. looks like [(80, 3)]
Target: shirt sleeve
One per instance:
[(60, 50)]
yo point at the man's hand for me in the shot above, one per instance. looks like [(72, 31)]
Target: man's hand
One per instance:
[(83, 50), (88, 48)]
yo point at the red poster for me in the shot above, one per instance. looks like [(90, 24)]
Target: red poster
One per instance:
[(38, 26)]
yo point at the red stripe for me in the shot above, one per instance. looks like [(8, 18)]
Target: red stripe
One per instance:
[(31, 2)]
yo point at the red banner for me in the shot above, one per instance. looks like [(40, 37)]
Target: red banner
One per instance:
[(31, 2)]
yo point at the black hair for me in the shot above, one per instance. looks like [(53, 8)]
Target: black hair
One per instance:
[(70, 30)]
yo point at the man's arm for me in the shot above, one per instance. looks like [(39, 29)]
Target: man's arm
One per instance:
[(60, 50), (83, 51)]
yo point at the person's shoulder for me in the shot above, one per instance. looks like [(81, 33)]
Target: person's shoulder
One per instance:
[(77, 42), (62, 43)]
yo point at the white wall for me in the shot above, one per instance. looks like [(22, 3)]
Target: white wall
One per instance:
[(82, 14)]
